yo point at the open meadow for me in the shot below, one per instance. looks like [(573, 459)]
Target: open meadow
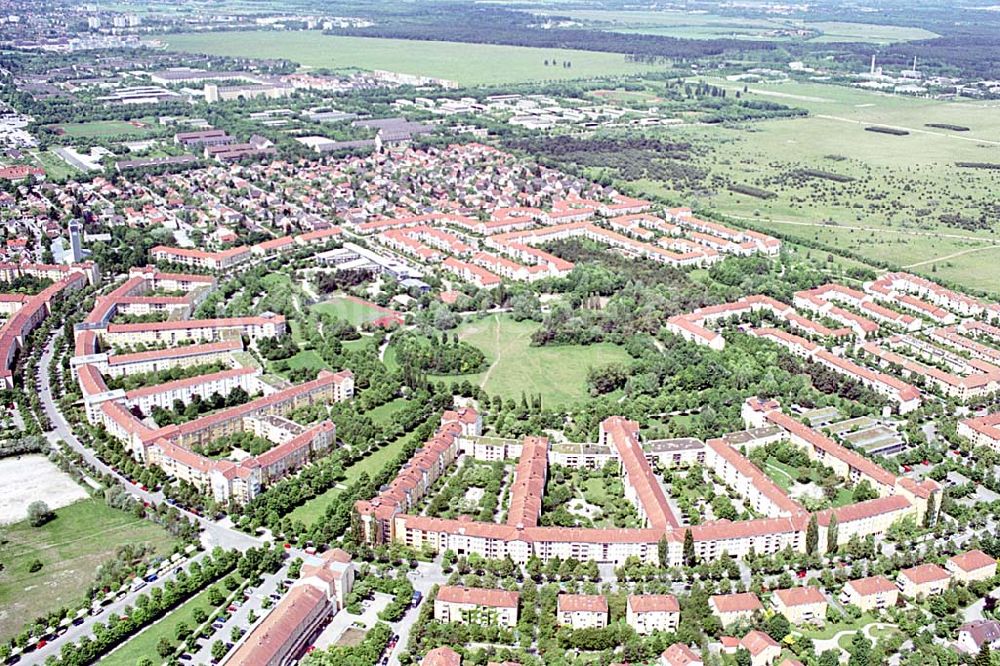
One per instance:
[(70, 547), (894, 198), (469, 64), (557, 372), (704, 25)]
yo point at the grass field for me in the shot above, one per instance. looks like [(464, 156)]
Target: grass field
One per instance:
[(71, 547), (384, 413), (469, 64), (701, 25), (901, 187), (103, 128), (558, 373), (54, 166), (342, 308), (314, 509)]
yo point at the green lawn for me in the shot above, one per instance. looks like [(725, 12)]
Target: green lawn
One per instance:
[(71, 547), (342, 308), (144, 643), (384, 413), (314, 509), (307, 358), (558, 373), (469, 64), (830, 630), (104, 128), (55, 166)]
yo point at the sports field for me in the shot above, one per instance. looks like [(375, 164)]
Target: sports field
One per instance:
[(902, 189), (469, 64), (354, 312), (82, 536), (558, 373), (105, 128)]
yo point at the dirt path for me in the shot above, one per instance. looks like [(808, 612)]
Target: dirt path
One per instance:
[(496, 339), (910, 129), (952, 255)]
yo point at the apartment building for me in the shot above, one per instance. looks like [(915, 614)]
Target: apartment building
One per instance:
[(286, 632), (647, 613), (971, 566), (582, 611), (472, 605), (872, 593), (801, 605), (730, 608), (680, 654), (923, 579)]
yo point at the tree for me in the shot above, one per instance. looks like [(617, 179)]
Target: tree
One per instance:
[(831, 534), (743, 657), (812, 535), (864, 491), (778, 626), (219, 650), (861, 649), (689, 554), (930, 517), (164, 647), (829, 658), (662, 550), (39, 513), (984, 657)]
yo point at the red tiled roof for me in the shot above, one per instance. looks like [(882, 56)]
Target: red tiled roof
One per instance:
[(800, 596), (478, 596), (679, 654), (757, 641), (925, 573), (442, 656), (734, 603), (972, 560), (653, 603), (872, 585), (582, 603)]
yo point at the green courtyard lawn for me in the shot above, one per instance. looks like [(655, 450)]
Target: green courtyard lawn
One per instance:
[(313, 509), (558, 372), (830, 630), (384, 413), (82, 536), (343, 308), (469, 64)]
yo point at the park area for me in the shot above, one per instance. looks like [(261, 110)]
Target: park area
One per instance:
[(514, 367), (468, 64), (69, 548)]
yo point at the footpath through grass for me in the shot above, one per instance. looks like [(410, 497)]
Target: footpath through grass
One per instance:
[(557, 372), (70, 547)]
